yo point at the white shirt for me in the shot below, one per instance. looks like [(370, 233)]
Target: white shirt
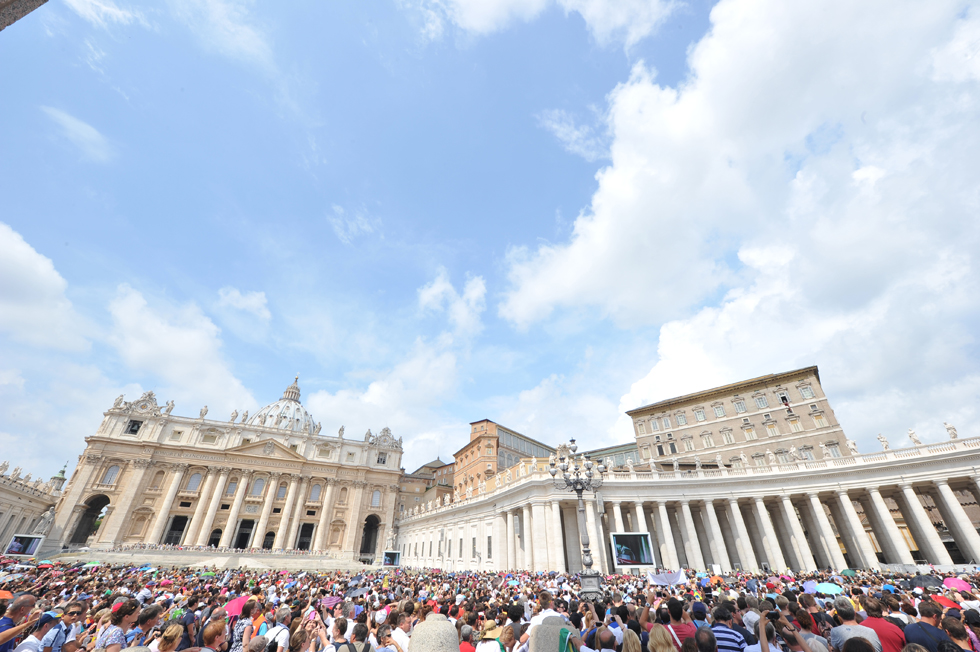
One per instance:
[(401, 637), (30, 644)]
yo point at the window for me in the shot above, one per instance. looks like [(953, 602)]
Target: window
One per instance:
[(641, 429), (315, 492), (157, 480), (666, 422), (489, 547), (813, 406), (746, 420), (449, 548), (376, 499), (489, 450), (736, 462), (245, 440), (473, 553), (654, 427), (794, 425), (806, 392), (133, 427), (761, 402), (707, 441), (772, 430), (806, 454), (281, 493), (351, 456), (430, 547), (110, 475), (231, 487), (783, 397), (759, 460), (209, 439), (225, 506), (673, 449), (833, 450), (176, 435), (258, 487), (461, 547), (729, 437), (382, 458), (739, 407), (750, 434), (699, 414), (293, 447), (645, 453), (194, 483), (660, 450), (311, 512), (766, 416), (688, 445), (819, 421), (719, 411), (680, 419), (781, 457)]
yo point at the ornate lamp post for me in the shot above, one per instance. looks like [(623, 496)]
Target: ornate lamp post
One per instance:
[(580, 475)]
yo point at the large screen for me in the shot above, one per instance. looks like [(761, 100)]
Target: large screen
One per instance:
[(632, 549), (392, 558), (24, 544)]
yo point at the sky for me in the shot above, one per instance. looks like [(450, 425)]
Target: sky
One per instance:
[(540, 212)]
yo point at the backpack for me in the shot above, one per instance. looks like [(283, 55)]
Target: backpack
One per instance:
[(273, 645)]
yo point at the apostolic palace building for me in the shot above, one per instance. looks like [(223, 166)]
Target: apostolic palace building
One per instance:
[(755, 475)]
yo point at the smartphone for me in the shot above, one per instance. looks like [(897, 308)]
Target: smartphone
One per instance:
[(312, 615), (773, 616)]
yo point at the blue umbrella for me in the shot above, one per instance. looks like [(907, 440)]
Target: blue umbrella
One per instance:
[(752, 585), (829, 589), (810, 587), (889, 587)]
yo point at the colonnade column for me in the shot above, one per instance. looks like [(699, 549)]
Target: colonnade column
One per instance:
[(163, 515), (356, 524), (890, 529), (827, 533), (769, 541), (219, 489), (298, 508), (923, 530), (719, 551), (271, 489), (511, 541), (593, 527), (960, 524), (284, 514), (618, 517), (228, 534), (548, 536), (558, 541), (858, 534), (499, 546), (804, 555), (665, 535), (743, 544), (691, 545), (190, 535), (325, 509), (527, 536)]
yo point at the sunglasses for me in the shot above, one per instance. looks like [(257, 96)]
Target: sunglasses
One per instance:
[(74, 613)]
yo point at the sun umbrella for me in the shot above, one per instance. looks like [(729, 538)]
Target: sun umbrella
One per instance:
[(890, 588), (752, 585), (15, 576), (716, 579), (356, 593), (331, 600), (45, 561), (234, 607), (6, 595), (92, 563), (850, 572), (207, 574), (956, 583), (786, 577), (924, 581), (810, 587), (45, 566), (829, 589), (946, 602), (513, 583), (166, 582)]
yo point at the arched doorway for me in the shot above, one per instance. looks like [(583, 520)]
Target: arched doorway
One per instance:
[(270, 539), (214, 539), (369, 539), (87, 522)]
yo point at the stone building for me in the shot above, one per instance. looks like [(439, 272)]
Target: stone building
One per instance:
[(899, 507), (269, 481), (24, 502), (491, 447)]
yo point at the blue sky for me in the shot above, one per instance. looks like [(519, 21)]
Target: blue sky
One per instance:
[(540, 212)]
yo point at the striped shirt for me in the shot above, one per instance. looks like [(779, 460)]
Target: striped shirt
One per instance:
[(728, 639)]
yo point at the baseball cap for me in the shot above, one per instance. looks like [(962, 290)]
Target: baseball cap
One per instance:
[(47, 617)]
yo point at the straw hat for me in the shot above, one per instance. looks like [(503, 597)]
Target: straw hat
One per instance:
[(491, 630)]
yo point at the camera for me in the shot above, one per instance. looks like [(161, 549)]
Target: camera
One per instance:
[(773, 616)]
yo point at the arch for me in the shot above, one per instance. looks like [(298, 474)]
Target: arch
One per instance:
[(369, 540), (269, 540), (258, 487), (157, 479), (376, 499), (315, 492), (194, 482), (342, 498), (94, 506), (232, 486), (337, 530), (215, 538), (281, 492), (110, 475)]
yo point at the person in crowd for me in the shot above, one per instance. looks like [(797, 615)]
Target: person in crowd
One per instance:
[(891, 636), (849, 628), (44, 624), (926, 632)]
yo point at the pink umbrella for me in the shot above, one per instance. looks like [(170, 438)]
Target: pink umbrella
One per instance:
[(234, 607), (956, 584), (165, 582)]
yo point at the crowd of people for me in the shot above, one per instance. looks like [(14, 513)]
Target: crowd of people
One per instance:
[(56, 607)]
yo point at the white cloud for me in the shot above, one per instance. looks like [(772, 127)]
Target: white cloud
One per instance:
[(628, 21), (577, 139), (349, 227), (250, 302), (103, 13), (179, 346), (227, 27), (464, 309), (33, 306), (87, 138)]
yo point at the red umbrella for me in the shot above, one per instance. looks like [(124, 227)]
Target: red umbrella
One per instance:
[(234, 607), (946, 602), (45, 566)]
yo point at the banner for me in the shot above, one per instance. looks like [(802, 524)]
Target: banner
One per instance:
[(667, 579)]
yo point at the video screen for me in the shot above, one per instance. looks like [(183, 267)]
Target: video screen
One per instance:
[(392, 558), (632, 548), (24, 544)]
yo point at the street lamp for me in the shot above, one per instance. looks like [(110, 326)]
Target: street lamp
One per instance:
[(580, 475)]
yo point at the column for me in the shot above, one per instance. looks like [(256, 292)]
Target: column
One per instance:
[(77, 486), (194, 527), (804, 555), (558, 541), (618, 517), (827, 533), (858, 534), (356, 523), (891, 535), (717, 540), (773, 554), (284, 515), (666, 537), (271, 488), (526, 538), (549, 539), (300, 512), (959, 524), (743, 544), (117, 529), (691, 544), (325, 509), (163, 515), (498, 545), (228, 534), (595, 544), (511, 541), (219, 493), (930, 545)]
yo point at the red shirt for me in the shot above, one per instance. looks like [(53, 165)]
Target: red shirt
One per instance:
[(683, 631), (466, 647), (891, 636)]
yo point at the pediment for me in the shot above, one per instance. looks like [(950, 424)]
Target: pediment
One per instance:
[(267, 448)]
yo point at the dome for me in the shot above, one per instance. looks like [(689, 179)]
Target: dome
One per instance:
[(286, 414)]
